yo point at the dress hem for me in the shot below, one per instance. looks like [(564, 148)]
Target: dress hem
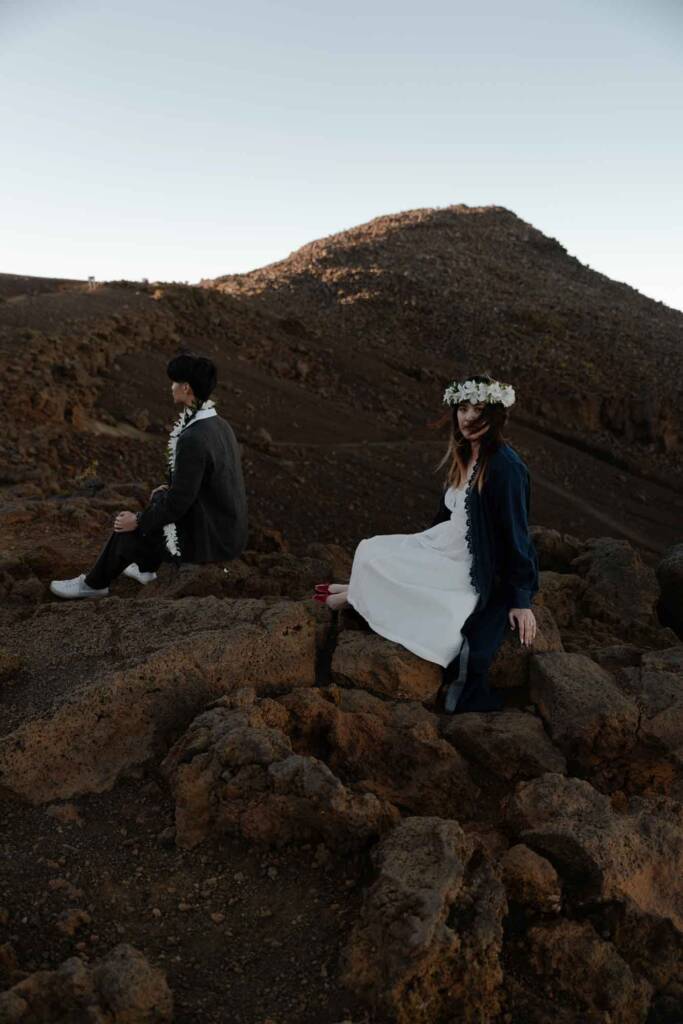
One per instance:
[(420, 652)]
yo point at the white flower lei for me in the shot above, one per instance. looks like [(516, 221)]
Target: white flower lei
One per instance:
[(472, 391), (186, 417)]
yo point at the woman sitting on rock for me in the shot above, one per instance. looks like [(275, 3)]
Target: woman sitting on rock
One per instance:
[(448, 593), (199, 516)]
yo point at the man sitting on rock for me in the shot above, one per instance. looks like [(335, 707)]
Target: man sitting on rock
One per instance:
[(200, 516)]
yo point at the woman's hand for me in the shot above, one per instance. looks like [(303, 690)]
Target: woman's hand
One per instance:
[(125, 522), (525, 619), (158, 490)]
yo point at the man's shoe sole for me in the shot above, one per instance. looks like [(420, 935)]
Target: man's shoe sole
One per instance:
[(76, 597)]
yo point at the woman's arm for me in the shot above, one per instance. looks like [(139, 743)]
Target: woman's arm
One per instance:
[(172, 504)]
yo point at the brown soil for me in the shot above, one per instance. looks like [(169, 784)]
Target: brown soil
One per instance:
[(270, 950)]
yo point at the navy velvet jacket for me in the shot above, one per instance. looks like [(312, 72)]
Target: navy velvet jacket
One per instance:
[(504, 558)]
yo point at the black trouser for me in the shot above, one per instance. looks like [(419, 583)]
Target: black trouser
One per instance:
[(148, 551)]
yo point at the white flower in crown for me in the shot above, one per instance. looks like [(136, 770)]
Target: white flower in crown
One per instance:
[(475, 392)]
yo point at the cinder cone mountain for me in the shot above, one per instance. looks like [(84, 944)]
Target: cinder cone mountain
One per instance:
[(481, 287)]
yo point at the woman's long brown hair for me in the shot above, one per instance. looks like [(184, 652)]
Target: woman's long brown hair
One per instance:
[(459, 452)]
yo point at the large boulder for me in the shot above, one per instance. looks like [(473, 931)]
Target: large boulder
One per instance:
[(428, 943), (587, 715), (174, 658), (510, 666), (511, 744), (621, 589), (670, 578), (368, 662), (574, 967), (235, 771), (560, 593), (392, 749), (656, 686), (635, 856), (122, 988), (653, 948)]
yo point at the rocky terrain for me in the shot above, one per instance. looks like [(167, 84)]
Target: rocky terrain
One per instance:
[(219, 801)]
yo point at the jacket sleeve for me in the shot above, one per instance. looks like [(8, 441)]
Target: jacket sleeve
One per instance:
[(519, 568), (171, 505)]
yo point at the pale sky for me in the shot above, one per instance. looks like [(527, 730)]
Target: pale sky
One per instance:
[(176, 141)]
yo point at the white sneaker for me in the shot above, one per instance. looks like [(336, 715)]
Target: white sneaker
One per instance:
[(75, 588), (135, 574)]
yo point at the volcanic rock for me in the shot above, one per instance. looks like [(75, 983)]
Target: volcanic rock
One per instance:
[(657, 688), (235, 771), (427, 944), (391, 749), (634, 856), (10, 664), (122, 988), (621, 588), (510, 666), (560, 593), (369, 662), (511, 744), (575, 964), (556, 551), (176, 658), (587, 715), (531, 880)]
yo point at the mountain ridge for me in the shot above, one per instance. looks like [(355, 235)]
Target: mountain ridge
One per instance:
[(480, 285)]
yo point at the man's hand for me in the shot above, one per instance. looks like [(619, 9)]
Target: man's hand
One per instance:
[(525, 619), (157, 490), (125, 522)]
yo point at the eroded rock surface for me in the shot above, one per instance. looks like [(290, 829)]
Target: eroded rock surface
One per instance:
[(657, 688), (512, 744), (620, 587), (571, 962), (235, 772), (122, 988), (531, 880), (174, 659), (369, 662), (265, 768), (588, 717), (428, 943), (635, 855)]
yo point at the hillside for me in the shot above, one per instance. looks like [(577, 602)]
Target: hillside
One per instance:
[(333, 362), (441, 291)]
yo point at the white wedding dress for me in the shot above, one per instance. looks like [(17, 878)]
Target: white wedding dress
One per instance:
[(415, 588)]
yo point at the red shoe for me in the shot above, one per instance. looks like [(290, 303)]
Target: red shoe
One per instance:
[(320, 598), (322, 588)]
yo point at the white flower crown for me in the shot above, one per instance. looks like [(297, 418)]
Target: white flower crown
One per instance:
[(472, 391)]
